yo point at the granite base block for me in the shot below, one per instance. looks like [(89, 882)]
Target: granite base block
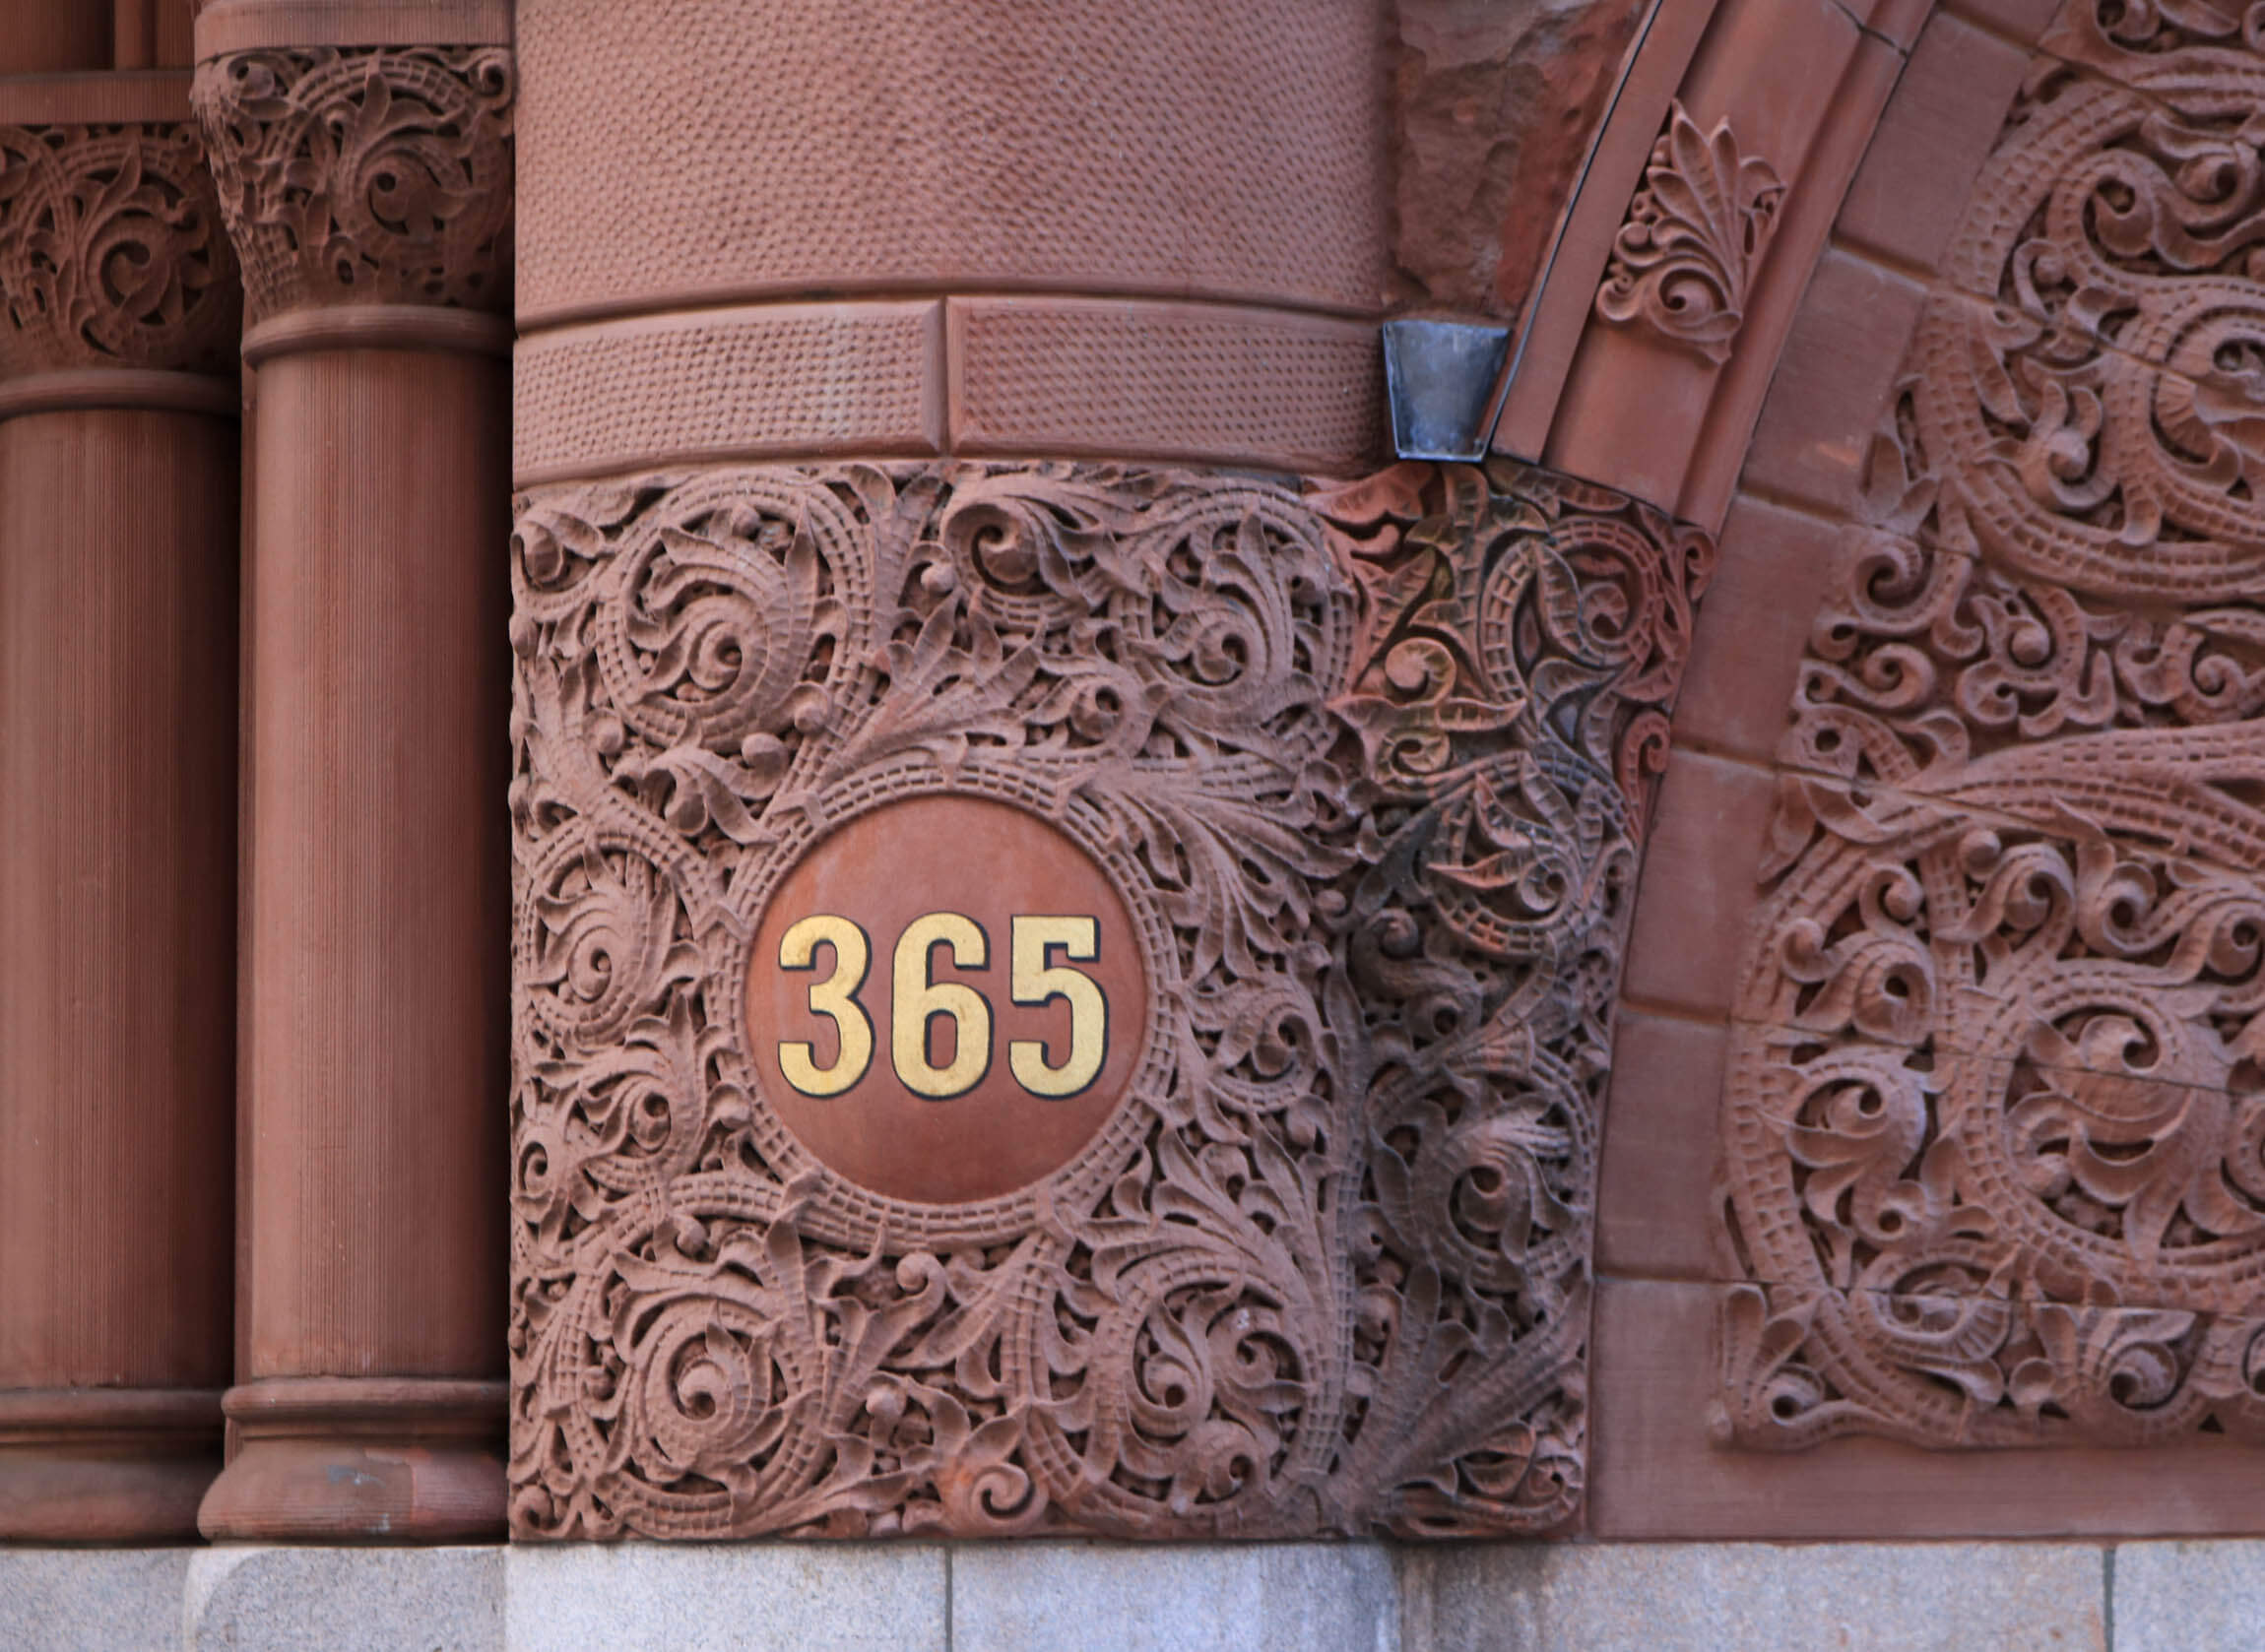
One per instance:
[(1089, 1597), (242, 1598), (92, 1600), (1070, 1597), (756, 1597), (1642, 1597), (2173, 1597)]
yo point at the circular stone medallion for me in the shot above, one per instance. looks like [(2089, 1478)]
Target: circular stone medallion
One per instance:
[(945, 999)]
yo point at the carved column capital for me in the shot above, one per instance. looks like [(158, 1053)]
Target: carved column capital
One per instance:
[(111, 252), (378, 175)]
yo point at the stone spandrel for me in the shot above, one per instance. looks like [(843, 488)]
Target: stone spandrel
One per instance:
[(1356, 772)]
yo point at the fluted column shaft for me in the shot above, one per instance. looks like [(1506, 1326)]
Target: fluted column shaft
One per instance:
[(369, 190), (117, 806)]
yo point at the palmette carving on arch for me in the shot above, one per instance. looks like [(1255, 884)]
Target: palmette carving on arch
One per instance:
[(1695, 232), (1995, 1125), (1367, 764)]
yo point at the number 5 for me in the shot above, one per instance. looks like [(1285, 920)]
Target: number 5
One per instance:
[(1035, 982), (835, 998)]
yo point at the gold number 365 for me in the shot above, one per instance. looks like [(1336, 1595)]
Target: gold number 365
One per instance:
[(916, 998)]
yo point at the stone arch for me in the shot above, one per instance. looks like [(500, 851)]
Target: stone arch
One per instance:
[(1831, 527)]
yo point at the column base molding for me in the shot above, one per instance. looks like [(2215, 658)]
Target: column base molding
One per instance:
[(105, 1465), (371, 1460)]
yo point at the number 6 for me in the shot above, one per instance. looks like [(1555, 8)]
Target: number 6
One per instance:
[(1035, 982), (916, 998)]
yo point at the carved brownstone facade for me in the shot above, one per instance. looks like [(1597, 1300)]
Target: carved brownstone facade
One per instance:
[(1682, 262), (1995, 1131), (1367, 763)]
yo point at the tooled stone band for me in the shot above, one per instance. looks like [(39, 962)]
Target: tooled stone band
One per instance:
[(364, 175)]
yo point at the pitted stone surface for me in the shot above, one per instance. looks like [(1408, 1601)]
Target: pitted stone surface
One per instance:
[(737, 383), (720, 147), (91, 1600), (743, 1598), (343, 1599)]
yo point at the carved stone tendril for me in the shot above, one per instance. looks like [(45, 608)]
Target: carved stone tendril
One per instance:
[(377, 175), (1368, 765), (1695, 231), (113, 252)]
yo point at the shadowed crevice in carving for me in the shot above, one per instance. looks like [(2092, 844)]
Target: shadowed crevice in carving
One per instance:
[(1996, 1123), (1368, 765)]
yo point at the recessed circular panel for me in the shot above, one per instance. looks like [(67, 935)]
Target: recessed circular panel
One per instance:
[(945, 999)]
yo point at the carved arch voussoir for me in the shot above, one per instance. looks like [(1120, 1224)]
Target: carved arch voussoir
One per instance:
[(1682, 262), (1996, 1121)]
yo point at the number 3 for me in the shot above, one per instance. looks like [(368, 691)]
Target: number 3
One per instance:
[(1035, 982), (835, 998)]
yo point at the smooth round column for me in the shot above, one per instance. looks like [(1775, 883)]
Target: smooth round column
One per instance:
[(117, 805), (50, 37), (371, 1397)]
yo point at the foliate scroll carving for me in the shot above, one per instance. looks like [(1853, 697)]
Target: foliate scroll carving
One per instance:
[(1997, 1117), (2113, 32), (378, 175), (1367, 765), (112, 253), (1695, 231)]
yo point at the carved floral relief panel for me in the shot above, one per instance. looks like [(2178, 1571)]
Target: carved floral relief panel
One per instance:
[(1347, 785), (1995, 1125)]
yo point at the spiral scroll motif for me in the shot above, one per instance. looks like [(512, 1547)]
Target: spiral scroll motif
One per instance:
[(1367, 765)]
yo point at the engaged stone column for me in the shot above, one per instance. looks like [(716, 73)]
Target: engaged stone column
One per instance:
[(369, 193), (119, 315)]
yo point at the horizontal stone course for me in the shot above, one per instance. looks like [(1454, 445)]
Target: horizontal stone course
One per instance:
[(1064, 1596)]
